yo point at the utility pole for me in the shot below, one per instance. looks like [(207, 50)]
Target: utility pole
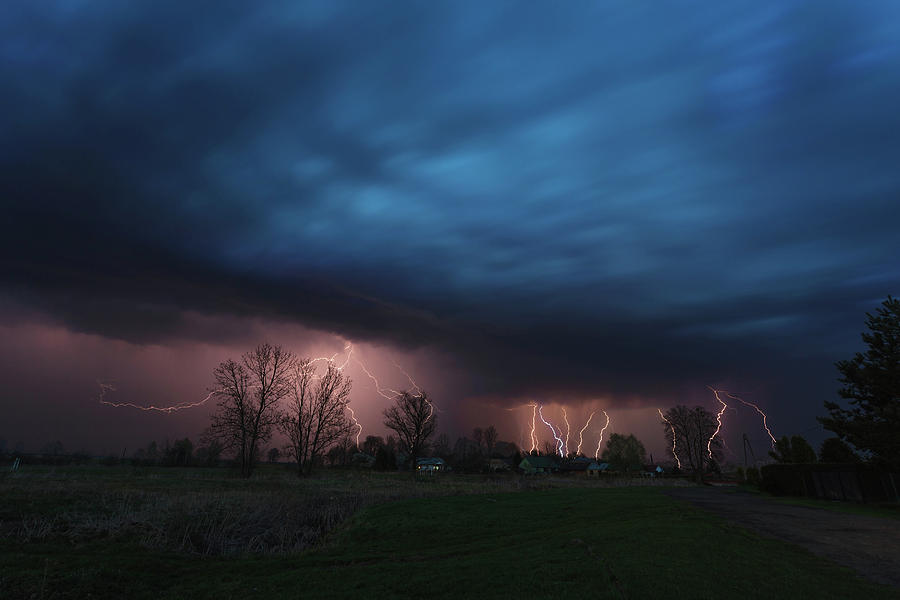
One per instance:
[(747, 446)]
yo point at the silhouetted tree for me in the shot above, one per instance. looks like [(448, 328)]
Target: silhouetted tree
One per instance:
[(209, 454), (490, 439), (693, 428), (316, 415), (273, 455), (871, 383), (371, 444), (551, 448), (146, 456), (412, 419), (248, 393), (340, 454), (478, 436), (802, 451), (179, 454), (835, 450), (793, 450), (753, 477), (53, 448), (442, 446), (385, 459), (624, 453)]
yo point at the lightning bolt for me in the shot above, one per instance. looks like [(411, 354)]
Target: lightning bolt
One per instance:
[(600, 441), (414, 384), (581, 434), (765, 424), (566, 420), (355, 422), (559, 442), (718, 419), (348, 347), (534, 408), (431, 406), (522, 432), (108, 387), (387, 393), (391, 394), (677, 460)]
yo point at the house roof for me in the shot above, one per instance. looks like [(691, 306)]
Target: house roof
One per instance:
[(430, 461), (574, 465), (540, 462), (583, 464)]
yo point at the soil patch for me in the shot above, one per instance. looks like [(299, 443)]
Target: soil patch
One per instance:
[(870, 545)]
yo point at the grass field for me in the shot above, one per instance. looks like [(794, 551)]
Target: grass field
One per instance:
[(457, 537)]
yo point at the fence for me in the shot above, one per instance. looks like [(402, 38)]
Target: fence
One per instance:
[(848, 482)]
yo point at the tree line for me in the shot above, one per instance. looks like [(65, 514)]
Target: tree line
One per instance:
[(867, 429), (270, 390)]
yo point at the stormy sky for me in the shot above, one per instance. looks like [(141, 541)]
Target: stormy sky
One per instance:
[(594, 205)]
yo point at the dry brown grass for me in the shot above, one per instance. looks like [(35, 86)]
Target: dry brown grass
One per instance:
[(209, 512)]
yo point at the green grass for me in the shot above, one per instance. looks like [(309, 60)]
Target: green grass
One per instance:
[(889, 511), (584, 542), (884, 510)]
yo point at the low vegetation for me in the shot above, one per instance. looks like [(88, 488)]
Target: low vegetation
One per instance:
[(97, 532), (212, 511)]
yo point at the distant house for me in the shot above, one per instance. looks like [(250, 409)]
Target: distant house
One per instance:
[(652, 471), (499, 464), (595, 469), (430, 465), (587, 466), (538, 464), (361, 459)]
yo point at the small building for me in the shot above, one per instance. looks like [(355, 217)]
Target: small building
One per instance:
[(361, 459), (531, 465), (652, 471), (582, 465), (430, 465), (595, 469), (499, 464)]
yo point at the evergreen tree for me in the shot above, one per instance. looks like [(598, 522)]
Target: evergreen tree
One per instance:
[(834, 450), (871, 384)]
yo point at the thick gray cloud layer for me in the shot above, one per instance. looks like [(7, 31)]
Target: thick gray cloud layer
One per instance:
[(594, 198)]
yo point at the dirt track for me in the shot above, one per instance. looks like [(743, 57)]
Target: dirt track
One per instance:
[(870, 545)]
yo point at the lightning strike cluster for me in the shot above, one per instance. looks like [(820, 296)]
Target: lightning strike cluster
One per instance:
[(387, 393)]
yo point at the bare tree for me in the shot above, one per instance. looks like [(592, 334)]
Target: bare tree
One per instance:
[(442, 446), (248, 393), (490, 439), (371, 444), (692, 428), (550, 448), (478, 436), (316, 415), (412, 418)]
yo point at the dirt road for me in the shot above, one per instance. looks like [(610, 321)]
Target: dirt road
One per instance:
[(871, 545)]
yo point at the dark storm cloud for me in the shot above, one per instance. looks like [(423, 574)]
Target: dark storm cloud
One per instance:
[(588, 199)]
